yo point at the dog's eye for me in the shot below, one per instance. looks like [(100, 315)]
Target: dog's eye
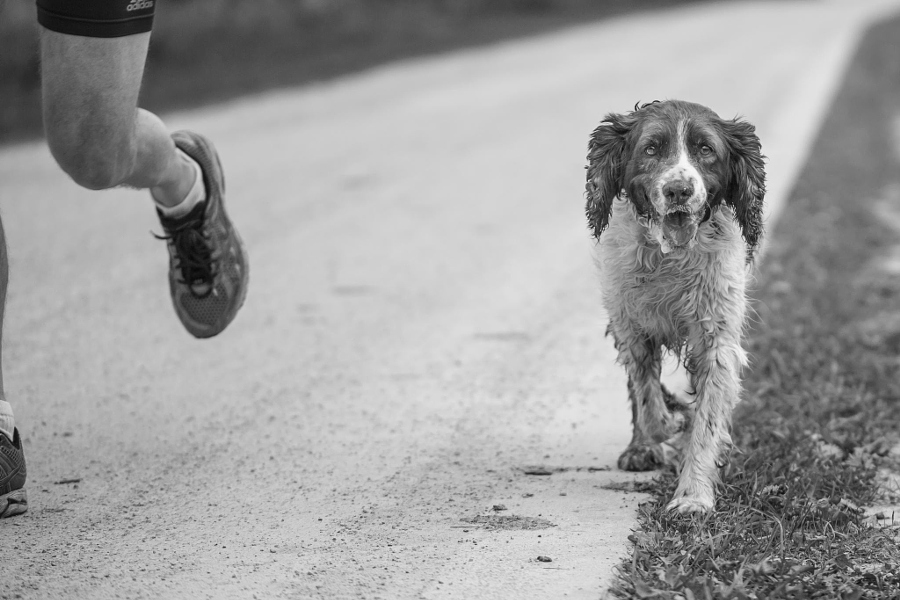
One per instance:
[(705, 150), (650, 150)]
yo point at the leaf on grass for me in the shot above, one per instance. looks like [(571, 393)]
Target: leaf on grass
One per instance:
[(801, 569), (854, 594), (643, 590), (852, 507), (644, 540), (880, 447), (763, 567), (673, 576), (842, 561), (774, 490)]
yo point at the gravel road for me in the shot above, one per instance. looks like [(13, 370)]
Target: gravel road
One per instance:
[(422, 328)]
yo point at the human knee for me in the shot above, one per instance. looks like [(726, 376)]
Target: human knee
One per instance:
[(94, 158)]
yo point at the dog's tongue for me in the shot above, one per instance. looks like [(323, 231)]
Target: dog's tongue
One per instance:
[(679, 229)]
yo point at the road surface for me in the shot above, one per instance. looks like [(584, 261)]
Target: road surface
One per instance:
[(422, 327)]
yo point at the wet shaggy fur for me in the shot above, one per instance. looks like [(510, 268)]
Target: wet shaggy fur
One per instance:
[(674, 198)]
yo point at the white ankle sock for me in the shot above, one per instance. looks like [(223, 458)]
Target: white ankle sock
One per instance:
[(7, 421), (194, 197)]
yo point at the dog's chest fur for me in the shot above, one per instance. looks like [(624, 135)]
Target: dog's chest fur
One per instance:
[(667, 295)]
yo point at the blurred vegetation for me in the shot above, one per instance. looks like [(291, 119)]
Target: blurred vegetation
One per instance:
[(208, 50)]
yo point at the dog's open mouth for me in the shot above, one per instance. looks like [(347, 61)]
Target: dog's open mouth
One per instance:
[(678, 209), (679, 227)]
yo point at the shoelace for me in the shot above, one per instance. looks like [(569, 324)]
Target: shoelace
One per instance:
[(195, 260)]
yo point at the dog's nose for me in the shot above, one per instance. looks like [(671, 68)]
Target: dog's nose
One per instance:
[(678, 191)]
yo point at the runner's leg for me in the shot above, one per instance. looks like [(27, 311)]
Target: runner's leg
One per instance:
[(102, 139), (13, 498), (4, 280), (94, 128), (92, 58)]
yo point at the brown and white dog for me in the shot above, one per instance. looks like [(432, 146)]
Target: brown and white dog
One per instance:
[(677, 194)]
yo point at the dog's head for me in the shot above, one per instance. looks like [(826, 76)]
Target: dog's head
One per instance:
[(677, 162)]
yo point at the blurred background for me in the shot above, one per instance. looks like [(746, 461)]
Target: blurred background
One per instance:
[(211, 50)]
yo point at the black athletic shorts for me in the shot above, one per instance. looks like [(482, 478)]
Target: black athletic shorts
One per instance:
[(97, 18)]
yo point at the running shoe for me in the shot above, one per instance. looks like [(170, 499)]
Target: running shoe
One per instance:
[(13, 499), (208, 270)]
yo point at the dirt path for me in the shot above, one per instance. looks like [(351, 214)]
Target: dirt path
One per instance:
[(422, 327)]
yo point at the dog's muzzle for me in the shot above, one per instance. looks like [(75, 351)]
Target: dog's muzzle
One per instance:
[(679, 226), (684, 213)]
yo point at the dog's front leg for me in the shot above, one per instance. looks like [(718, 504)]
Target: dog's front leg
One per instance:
[(716, 361), (656, 414)]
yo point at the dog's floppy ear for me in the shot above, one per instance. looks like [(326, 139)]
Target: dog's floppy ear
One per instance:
[(606, 168), (747, 180)]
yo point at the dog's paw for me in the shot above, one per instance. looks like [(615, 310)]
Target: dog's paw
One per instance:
[(690, 505), (674, 421), (670, 453), (680, 413), (642, 458), (681, 420)]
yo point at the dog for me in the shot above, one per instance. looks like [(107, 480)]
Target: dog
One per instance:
[(675, 201)]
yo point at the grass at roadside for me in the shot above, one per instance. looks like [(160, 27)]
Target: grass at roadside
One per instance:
[(821, 405), (204, 51)]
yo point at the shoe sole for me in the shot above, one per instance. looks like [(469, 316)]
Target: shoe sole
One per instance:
[(13, 503)]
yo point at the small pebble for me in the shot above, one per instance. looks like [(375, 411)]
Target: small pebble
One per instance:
[(543, 558)]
